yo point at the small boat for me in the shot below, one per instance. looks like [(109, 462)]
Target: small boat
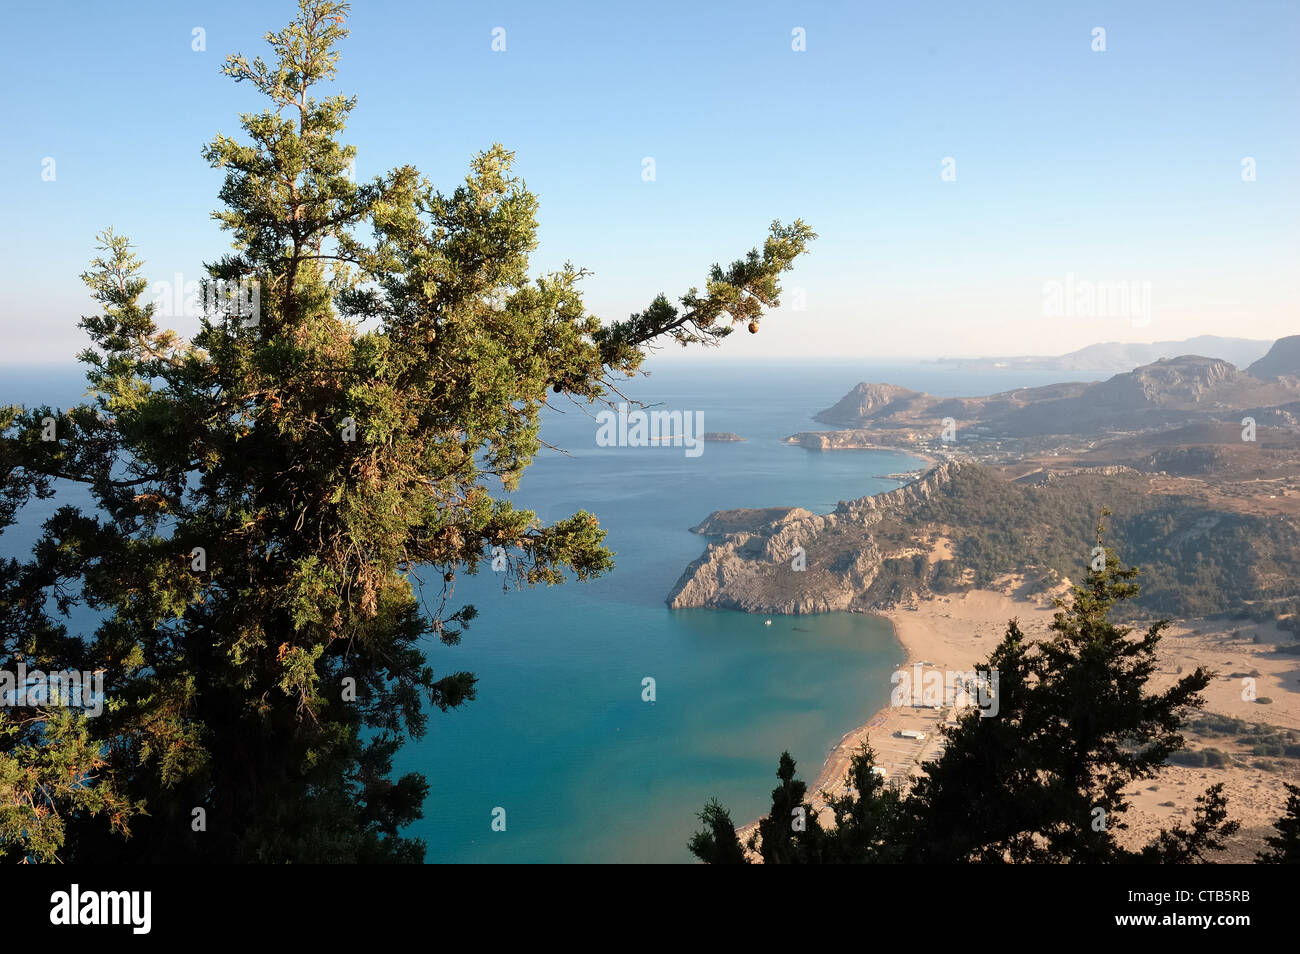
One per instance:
[(767, 622)]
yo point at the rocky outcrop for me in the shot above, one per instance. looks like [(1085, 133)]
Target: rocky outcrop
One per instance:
[(933, 481), (799, 562), (1173, 382), (869, 400), (744, 520)]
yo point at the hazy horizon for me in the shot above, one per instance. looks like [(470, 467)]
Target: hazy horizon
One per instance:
[(733, 354)]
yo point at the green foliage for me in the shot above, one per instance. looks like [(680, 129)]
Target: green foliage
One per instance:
[(717, 843), (272, 683), (1284, 847), (1201, 758), (866, 823)]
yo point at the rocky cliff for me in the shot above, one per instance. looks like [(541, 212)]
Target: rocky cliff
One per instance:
[(799, 562), (963, 524)]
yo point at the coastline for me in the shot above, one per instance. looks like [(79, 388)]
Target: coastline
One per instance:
[(954, 631), (929, 458), (945, 633)]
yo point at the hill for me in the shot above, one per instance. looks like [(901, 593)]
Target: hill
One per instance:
[(1283, 359), (1171, 392), (963, 525)]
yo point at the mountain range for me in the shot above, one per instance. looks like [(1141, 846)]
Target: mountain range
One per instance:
[(1165, 393), (1112, 356)]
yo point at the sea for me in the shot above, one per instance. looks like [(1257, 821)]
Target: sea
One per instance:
[(566, 755)]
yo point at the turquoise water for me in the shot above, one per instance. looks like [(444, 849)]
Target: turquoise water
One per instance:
[(559, 736)]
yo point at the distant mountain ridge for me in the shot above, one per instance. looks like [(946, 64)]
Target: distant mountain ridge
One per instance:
[(1282, 360), (1115, 356), (1165, 393)]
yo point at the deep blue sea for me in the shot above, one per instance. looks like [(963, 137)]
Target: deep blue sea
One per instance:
[(559, 736)]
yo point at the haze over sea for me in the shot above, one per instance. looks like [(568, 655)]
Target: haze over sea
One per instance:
[(559, 735)]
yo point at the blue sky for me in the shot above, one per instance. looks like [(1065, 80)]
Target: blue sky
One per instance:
[(1123, 165)]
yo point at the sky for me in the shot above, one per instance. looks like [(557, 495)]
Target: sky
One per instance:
[(977, 173)]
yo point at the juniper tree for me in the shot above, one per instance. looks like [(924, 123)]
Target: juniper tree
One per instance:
[(790, 833), (46, 749), (867, 818), (717, 842), (267, 491), (867, 823), (1284, 847)]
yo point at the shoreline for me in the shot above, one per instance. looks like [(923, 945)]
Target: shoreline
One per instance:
[(884, 722), (928, 458), (972, 623), (954, 631)]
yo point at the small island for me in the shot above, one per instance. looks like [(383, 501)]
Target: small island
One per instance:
[(722, 436)]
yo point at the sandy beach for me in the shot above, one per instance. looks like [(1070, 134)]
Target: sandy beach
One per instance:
[(954, 632), (944, 633)]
